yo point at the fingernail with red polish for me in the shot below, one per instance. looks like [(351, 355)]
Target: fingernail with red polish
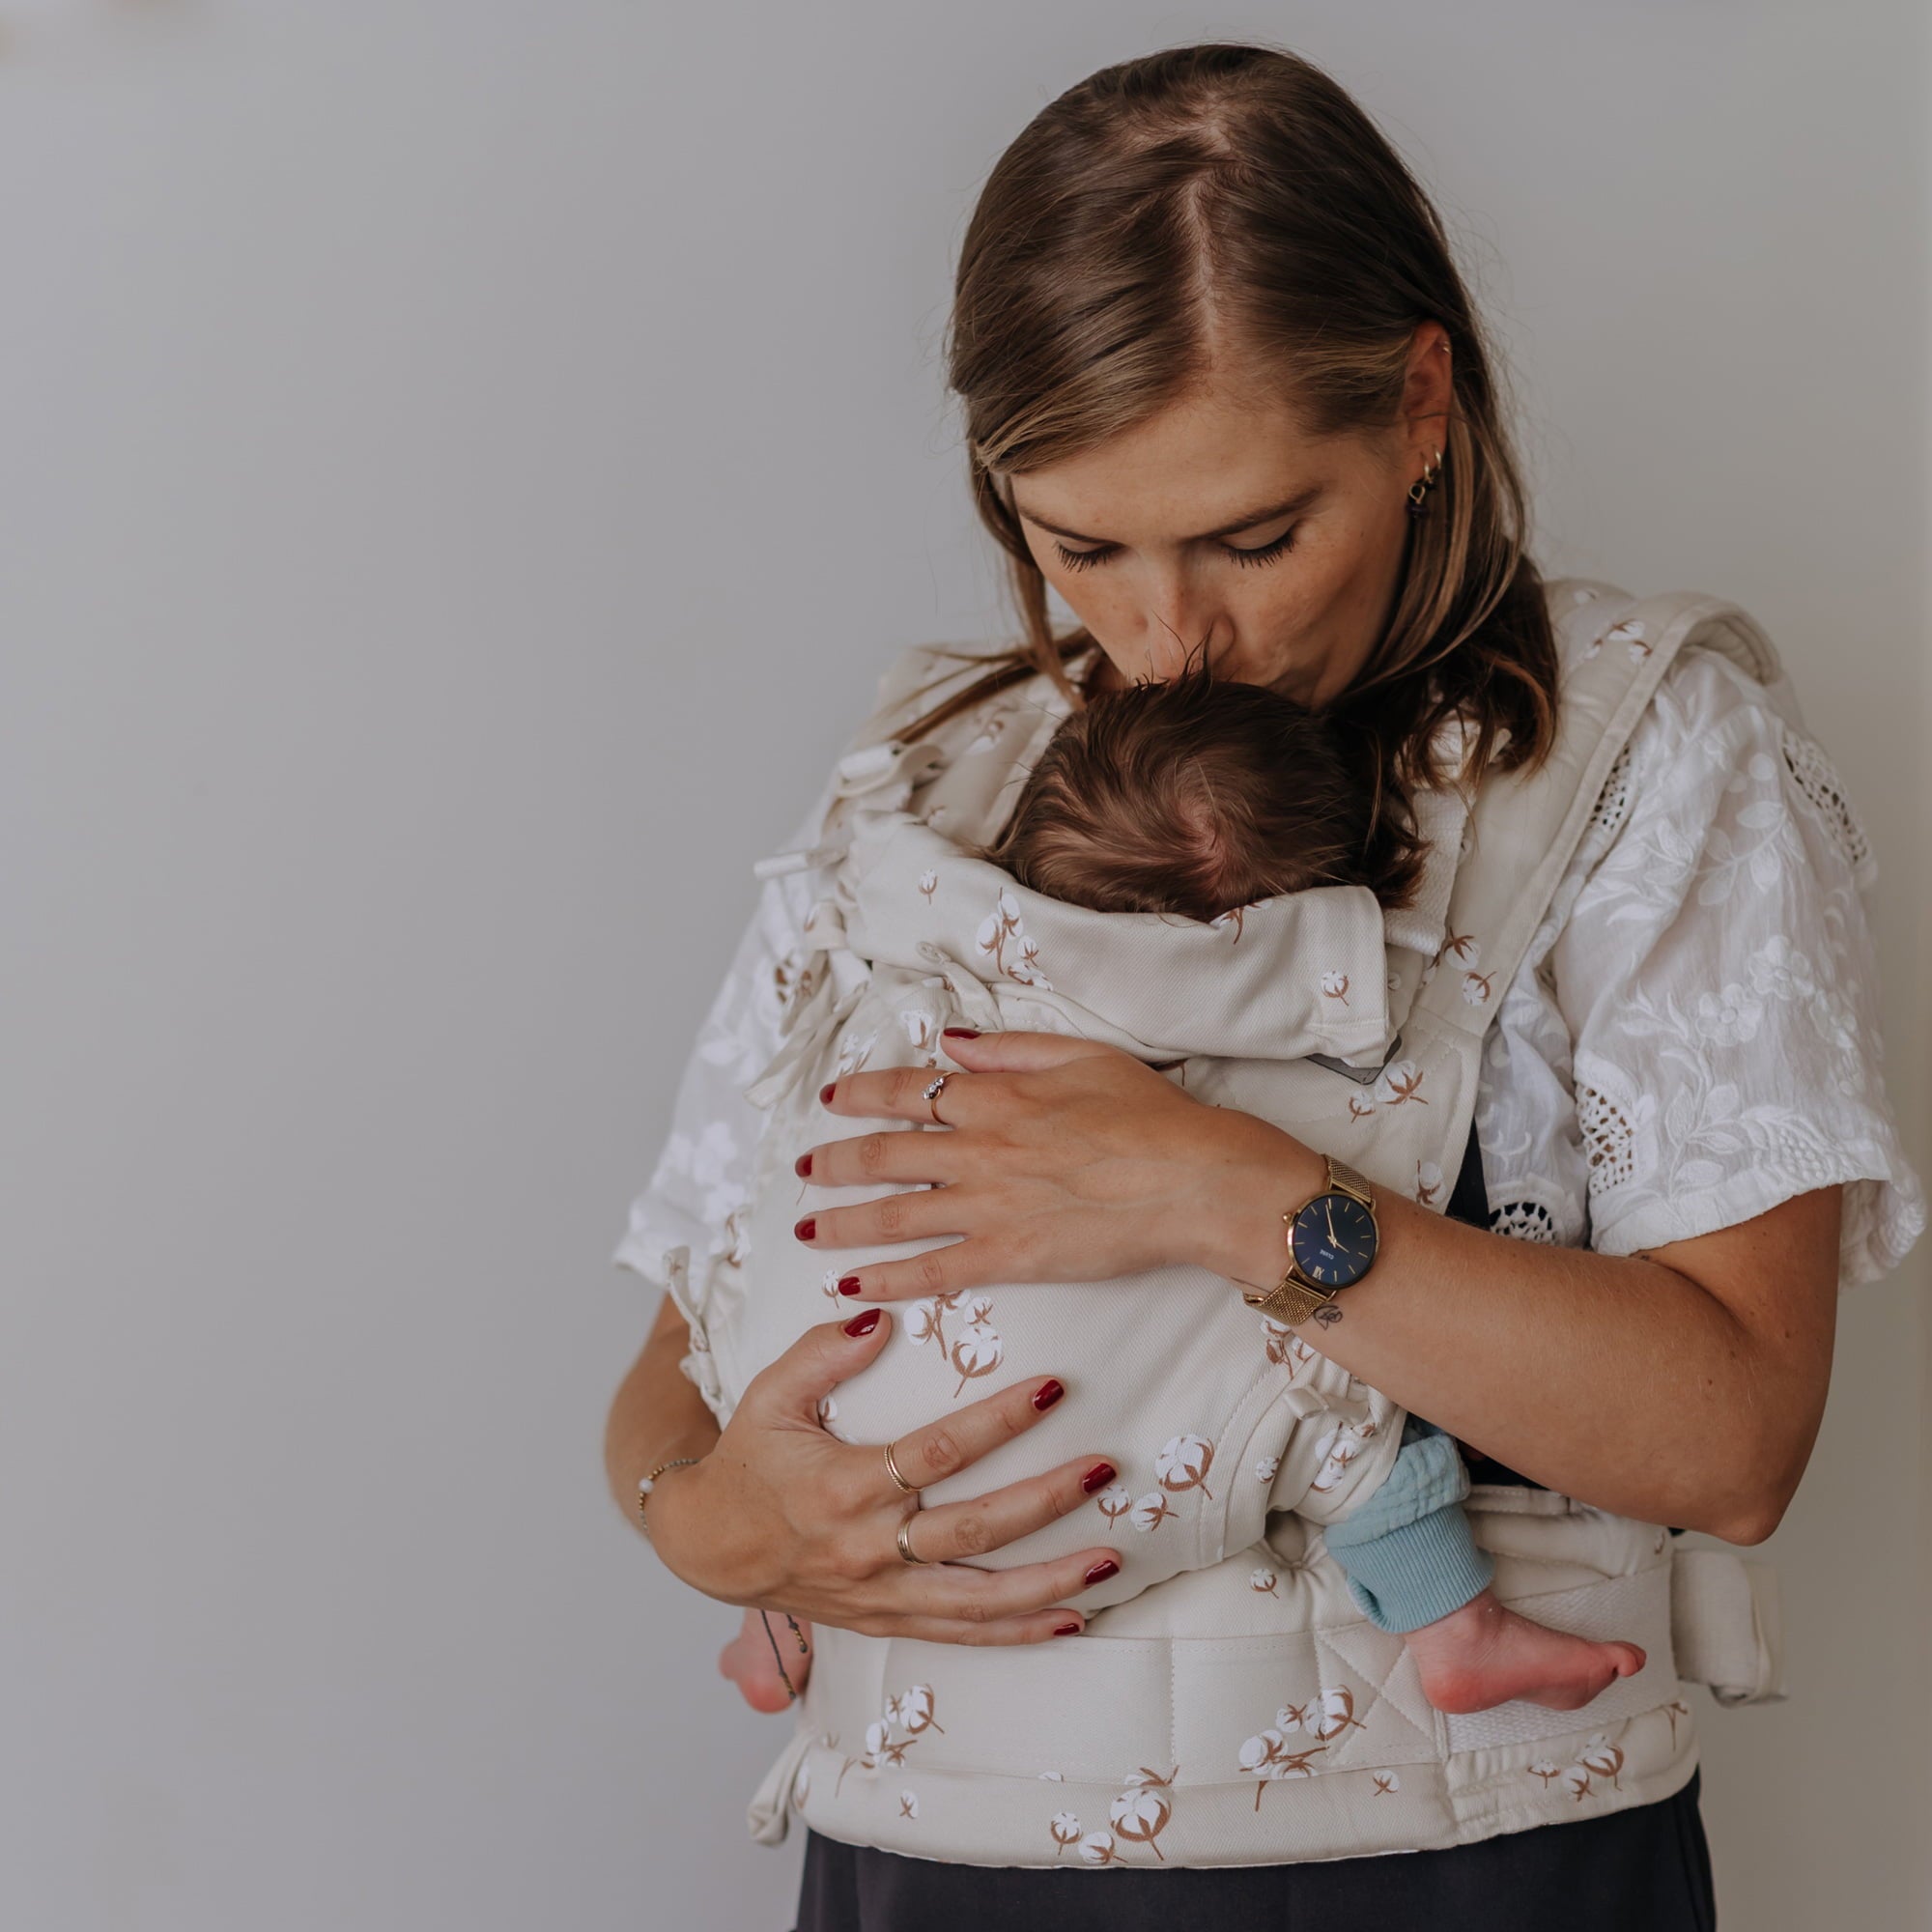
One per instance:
[(1096, 1478), (1103, 1570), (806, 1228), (848, 1284), (1068, 1630), (1047, 1394), (802, 1166), (825, 1094), (864, 1323), (960, 1033)]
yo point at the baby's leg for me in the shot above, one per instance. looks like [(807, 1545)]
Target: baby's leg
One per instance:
[(1414, 1568), (751, 1663)]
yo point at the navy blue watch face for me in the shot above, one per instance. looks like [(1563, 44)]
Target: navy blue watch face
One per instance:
[(1334, 1240)]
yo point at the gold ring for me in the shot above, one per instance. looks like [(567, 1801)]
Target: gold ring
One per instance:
[(931, 1092), (893, 1470), (904, 1537)]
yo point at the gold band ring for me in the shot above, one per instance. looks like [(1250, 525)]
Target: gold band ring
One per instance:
[(904, 1537), (931, 1092), (893, 1470)]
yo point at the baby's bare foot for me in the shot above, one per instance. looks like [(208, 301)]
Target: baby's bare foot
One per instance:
[(1483, 1655), (749, 1662)]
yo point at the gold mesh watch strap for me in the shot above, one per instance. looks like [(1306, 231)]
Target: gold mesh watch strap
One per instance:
[(1294, 1298)]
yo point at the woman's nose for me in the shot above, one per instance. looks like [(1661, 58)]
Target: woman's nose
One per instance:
[(1180, 629)]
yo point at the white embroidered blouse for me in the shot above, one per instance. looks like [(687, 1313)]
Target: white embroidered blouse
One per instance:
[(1692, 1038)]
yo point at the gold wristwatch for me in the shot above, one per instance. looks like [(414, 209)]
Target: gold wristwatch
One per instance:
[(1331, 1245)]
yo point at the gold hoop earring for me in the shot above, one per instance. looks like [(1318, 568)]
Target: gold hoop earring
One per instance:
[(1419, 491)]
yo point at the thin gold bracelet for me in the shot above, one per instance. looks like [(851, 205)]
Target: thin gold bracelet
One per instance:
[(646, 1484)]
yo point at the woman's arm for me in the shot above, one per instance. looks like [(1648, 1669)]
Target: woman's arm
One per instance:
[(1682, 1387)]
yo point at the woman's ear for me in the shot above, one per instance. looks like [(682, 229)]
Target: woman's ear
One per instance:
[(1428, 392)]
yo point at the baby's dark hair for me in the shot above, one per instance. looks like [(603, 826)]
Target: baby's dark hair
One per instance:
[(1199, 795)]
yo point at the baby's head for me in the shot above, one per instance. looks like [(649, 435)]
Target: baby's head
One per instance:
[(1197, 796)]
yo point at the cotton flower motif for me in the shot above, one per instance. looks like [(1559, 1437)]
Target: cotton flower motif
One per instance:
[(928, 884), (1065, 1828), (1602, 1759), (828, 1286), (1335, 986), (908, 1805), (976, 1353), (1545, 1770), (1399, 1081), (1263, 1580), (1113, 1502), (1577, 1782), (1337, 1449), (921, 1028), (1184, 1464), (921, 1319), (1461, 948), (916, 1707), (1150, 1510), (1096, 1848), (1386, 1782), (1266, 1467), (1477, 988), (978, 1308), (1140, 1813), (1428, 1183), (1003, 938)]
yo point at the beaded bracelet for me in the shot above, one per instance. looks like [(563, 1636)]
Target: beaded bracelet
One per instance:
[(646, 1484)]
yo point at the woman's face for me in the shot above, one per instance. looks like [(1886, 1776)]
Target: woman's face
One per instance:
[(1221, 520)]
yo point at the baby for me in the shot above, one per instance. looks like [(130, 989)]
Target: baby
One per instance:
[(1199, 798)]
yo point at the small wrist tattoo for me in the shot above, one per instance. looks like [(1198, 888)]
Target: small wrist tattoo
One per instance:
[(1328, 1315)]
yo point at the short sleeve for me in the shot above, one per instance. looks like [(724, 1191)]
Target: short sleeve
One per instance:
[(689, 1219), (1719, 978)]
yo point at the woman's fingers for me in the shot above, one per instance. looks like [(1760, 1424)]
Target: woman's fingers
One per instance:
[(1036, 1628), (935, 1450), (894, 1154), (958, 1531), (825, 1356), (898, 1093), (916, 1215)]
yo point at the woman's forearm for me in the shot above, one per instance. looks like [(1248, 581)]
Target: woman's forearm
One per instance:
[(1683, 1386), (655, 1414)]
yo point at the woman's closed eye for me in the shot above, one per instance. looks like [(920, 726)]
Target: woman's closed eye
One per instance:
[(1085, 559)]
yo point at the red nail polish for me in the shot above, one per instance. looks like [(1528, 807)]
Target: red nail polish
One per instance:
[(802, 1166), (960, 1033), (1097, 1478), (825, 1094), (1068, 1630), (848, 1284), (1103, 1570), (863, 1324), (806, 1228), (1047, 1394)]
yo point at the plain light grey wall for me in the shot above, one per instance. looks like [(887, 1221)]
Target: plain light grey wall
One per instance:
[(462, 465)]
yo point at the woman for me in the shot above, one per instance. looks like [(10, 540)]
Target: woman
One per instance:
[(1211, 350)]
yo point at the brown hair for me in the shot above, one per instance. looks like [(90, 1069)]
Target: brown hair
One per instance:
[(1235, 191), (1198, 795)]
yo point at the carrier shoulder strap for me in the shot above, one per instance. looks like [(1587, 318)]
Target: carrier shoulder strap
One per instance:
[(1524, 827)]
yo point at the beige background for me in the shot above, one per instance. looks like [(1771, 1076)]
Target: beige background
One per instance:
[(462, 465)]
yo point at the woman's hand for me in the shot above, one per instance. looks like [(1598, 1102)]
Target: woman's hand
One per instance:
[(1064, 1160), (780, 1514)]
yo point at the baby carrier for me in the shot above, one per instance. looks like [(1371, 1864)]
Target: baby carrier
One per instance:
[(1227, 1653)]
